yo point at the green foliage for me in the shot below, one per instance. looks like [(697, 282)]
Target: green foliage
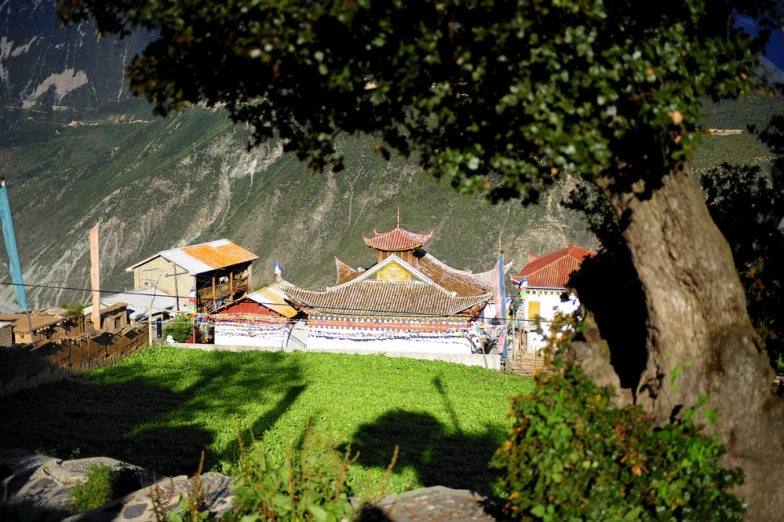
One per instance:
[(747, 204), (523, 89), (571, 455), (104, 484), (162, 398), (181, 329), (93, 492), (309, 485), (72, 310)]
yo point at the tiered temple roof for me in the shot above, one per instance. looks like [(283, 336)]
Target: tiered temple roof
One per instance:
[(406, 280), (393, 287), (397, 240)]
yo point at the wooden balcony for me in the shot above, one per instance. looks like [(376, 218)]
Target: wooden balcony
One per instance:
[(223, 290)]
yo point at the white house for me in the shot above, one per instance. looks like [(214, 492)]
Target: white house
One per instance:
[(547, 277)]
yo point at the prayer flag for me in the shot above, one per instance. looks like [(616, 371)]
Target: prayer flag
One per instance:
[(499, 298), (10, 247)]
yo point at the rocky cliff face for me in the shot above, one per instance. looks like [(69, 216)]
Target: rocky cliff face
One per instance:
[(43, 67)]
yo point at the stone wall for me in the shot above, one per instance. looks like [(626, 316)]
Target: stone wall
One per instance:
[(25, 366)]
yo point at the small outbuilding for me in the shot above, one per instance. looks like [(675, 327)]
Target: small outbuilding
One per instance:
[(265, 318)]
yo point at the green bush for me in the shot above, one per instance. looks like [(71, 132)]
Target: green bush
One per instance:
[(310, 484), (103, 484), (181, 329), (93, 492), (571, 455)]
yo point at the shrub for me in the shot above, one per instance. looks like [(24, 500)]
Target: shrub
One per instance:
[(181, 329), (310, 484), (93, 492), (571, 455), (102, 485)]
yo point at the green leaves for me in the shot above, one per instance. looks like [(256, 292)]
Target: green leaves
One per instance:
[(572, 456)]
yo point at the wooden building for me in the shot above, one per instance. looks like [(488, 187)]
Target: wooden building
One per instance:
[(220, 271), (6, 333), (45, 327), (407, 301)]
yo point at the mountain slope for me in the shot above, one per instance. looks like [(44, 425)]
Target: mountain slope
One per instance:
[(161, 183)]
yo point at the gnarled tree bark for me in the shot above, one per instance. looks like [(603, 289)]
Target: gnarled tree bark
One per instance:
[(700, 339)]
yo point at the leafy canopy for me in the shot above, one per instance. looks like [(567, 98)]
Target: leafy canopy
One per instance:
[(523, 88)]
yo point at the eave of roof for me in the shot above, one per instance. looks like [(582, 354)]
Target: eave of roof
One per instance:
[(385, 298)]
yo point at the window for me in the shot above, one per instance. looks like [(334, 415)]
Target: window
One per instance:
[(533, 309)]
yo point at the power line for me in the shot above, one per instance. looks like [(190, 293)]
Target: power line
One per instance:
[(320, 309)]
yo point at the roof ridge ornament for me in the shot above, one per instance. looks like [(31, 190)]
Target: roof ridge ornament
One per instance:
[(397, 219)]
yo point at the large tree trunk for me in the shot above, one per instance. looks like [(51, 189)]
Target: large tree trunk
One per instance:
[(700, 338)]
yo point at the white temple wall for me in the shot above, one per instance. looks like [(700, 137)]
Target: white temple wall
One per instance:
[(319, 339), (251, 334), (549, 305)]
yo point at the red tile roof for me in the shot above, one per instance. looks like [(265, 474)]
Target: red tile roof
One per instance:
[(397, 240), (553, 270)]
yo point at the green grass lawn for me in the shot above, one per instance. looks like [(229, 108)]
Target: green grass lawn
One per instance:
[(160, 407)]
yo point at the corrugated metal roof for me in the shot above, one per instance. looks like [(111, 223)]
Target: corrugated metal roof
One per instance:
[(205, 257), (139, 300), (554, 270), (275, 299)]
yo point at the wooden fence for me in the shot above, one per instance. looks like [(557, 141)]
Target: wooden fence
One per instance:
[(27, 366)]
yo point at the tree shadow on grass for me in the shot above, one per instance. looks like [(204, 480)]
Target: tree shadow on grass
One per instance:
[(455, 460), (153, 416)]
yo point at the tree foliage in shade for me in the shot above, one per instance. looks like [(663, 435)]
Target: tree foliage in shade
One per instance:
[(525, 88), (748, 207)]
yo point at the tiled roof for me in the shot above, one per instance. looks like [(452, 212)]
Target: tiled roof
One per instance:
[(275, 299), (345, 272), (553, 270), (205, 257), (369, 297), (397, 240), (451, 279)]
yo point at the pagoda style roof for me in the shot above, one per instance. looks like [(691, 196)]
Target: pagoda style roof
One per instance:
[(553, 270), (393, 287), (397, 240)]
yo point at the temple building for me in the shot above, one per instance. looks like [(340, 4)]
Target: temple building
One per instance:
[(408, 301)]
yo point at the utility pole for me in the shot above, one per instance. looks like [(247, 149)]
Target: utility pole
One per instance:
[(176, 286), (153, 285)]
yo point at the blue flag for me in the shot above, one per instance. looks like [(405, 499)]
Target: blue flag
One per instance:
[(10, 247)]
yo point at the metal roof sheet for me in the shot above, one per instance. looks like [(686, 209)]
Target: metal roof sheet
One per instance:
[(204, 257), (275, 299)]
